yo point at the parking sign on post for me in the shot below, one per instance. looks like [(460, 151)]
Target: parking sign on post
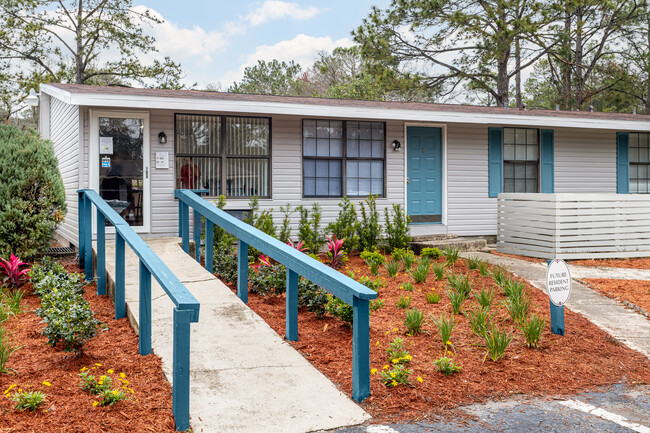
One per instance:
[(558, 287)]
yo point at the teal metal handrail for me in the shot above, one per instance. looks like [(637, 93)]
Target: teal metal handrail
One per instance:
[(297, 264), (186, 309)]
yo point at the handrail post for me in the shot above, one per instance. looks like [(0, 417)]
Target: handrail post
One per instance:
[(88, 239), (82, 228), (181, 369), (291, 314), (209, 245), (197, 235), (242, 271), (185, 227), (145, 310), (180, 218), (101, 253), (360, 349), (120, 308)]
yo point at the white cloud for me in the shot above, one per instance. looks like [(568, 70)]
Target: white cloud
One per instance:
[(271, 10), (302, 49)]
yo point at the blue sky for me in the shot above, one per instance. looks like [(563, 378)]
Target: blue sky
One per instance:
[(216, 40)]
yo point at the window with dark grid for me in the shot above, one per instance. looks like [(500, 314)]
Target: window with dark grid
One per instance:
[(639, 163), (343, 158), (520, 160)]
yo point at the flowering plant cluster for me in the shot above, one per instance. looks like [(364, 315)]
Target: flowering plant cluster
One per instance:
[(108, 388), (26, 400)]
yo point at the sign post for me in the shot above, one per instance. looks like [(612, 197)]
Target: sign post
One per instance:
[(558, 286)]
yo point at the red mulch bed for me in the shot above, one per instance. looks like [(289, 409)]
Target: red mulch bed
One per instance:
[(68, 408), (634, 291), (640, 263), (585, 358)]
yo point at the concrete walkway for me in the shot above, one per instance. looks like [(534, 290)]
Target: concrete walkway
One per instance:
[(244, 377), (630, 328)]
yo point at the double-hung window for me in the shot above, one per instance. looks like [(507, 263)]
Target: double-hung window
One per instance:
[(223, 154), (639, 163), (520, 160), (343, 158)]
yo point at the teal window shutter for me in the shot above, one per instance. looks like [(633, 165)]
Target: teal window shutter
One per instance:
[(622, 163), (495, 161), (546, 158)]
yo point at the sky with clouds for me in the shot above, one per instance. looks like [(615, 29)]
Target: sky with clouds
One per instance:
[(215, 40)]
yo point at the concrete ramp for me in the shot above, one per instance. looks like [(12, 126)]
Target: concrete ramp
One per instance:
[(244, 376)]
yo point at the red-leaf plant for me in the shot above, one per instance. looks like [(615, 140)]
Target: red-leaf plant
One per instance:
[(266, 260), (335, 251), (14, 274), (300, 246)]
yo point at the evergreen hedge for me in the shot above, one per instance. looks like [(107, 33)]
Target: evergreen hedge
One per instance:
[(32, 198)]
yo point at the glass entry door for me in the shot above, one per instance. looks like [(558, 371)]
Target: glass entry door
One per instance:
[(122, 172)]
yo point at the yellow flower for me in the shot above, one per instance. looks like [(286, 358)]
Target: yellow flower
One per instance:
[(387, 332), (46, 383), (115, 392), (8, 390), (386, 367), (98, 365), (101, 382), (131, 391), (122, 375), (420, 379), (392, 375), (83, 369), (125, 382), (109, 371), (395, 329), (95, 403), (393, 383), (395, 360), (102, 378), (408, 357), (373, 371), (377, 343)]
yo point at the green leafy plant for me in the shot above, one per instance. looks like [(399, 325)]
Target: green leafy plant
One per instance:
[(32, 195), (340, 309), (395, 376), (376, 305), (445, 327), (407, 286), (25, 400), (446, 366), (460, 283), (111, 396), (533, 329), (499, 276), (7, 348), (431, 253), (285, 231), (456, 298), (484, 297), (12, 301), (268, 277), (95, 385), (224, 258), (451, 255), (479, 319), (408, 259), (518, 307), (433, 297), (373, 259), (421, 271), (335, 251), (397, 227), (397, 353), (513, 288), (392, 267), (345, 226), (483, 268), (14, 275), (473, 263), (309, 230), (375, 284), (497, 342), (413, 320), (403, 302), (312, 297), (368, 229), (438, 271)]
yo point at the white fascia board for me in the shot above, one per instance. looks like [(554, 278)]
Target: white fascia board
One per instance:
[(315, 110), (57, 93)]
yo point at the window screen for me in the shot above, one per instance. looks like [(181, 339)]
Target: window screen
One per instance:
[(520, 160)]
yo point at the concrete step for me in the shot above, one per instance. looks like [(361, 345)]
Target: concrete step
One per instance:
[(464, 244), (433, 237)]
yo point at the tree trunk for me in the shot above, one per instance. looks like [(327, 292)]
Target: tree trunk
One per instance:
[(503, 95), (79, 68), (565, 66), (579, 58), (519, 101)]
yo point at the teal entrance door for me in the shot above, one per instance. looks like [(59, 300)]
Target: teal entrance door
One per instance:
[(424, 174)]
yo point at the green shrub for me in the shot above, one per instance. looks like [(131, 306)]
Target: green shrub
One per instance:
[(392, 267), (309, 230), (32, 198), (518, 306), (50, 274), (397, 375), (345, 226), (263, 221), (532, 329), (407, 286), (432, 253), (433, 297), (499, 276), (397, 353), (446, 366), (369, 229), (373, 259), (438, 271), (421, 271), (497, 342), (376, 305), (268, 279), (408, 259), (340, 309), (31, 400), (483, 268), (225, 258), (312, 297), (285, 231), (375, 284), (404, 302), (6, 348), (456, 298), (413, 321), (473, 263), (451, 255), (397, 227), (460, 283)]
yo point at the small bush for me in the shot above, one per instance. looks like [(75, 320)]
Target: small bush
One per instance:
[(376, 305), (31, 400), (413, 321), (311, 296), (460, 283), (336, 251), (268, 279), (421, 271), (513, 288), (345, 226), (32, 197), (375, 284), (397, 227), (408, 259), (368, 229), (451, 255), (397, 353), (14, 275), (431, 253), (225, 258), (433, 297), (309, 230), (533, 329), (407, 286), (497, 342), (373, 259), (392, 267), (397, 375), (499, 276), (483, 268), (446, 366), (340, 309), (444, 328), (404, 302), (285, 231), (518, 307)]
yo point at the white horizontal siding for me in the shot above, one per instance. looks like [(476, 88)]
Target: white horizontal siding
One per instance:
[(64, 134), (164, 208), (585, 161)]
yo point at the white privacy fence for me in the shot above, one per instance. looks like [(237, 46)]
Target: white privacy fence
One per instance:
[(574, 226)]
